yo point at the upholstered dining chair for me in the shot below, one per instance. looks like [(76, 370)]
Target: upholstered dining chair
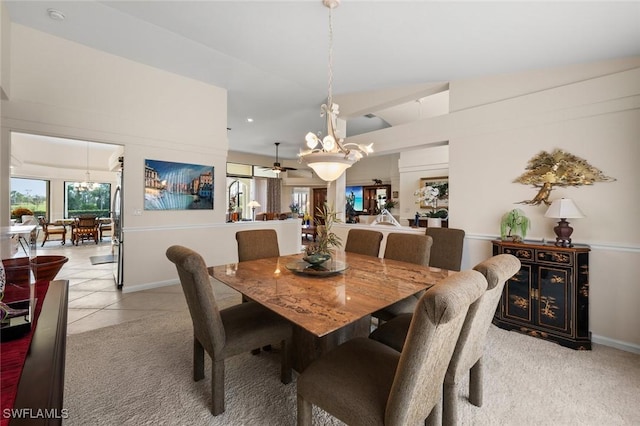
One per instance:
[(362, 241), (364, 382), (446, 252), (469, 350), (257, 244), (412, 248), (105, 225), (50, 229), (29, 219), (227, 332), (85, 228)]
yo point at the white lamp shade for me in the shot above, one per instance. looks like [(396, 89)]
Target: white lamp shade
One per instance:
[(564, 208), (328, 143), (253, 204), (312, 140), (328, 166)]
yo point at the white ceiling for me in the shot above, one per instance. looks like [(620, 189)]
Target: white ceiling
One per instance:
[(58, 153), (271, 56)]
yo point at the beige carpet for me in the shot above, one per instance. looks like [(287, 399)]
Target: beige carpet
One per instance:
[(140, 373)]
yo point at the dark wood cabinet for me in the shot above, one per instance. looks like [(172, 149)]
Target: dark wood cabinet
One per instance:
[(41, 385), (374, 197), (549, 297), (319, 199), (423, 223)]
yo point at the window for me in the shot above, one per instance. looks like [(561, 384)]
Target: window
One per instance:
[(238, 198), (300, 197), (31, 194), (82, 198)]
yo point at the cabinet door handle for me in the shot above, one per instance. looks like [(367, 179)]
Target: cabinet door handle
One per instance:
[(533, 293)]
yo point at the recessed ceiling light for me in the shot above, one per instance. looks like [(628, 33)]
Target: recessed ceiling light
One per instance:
[(249, 120), (56, 15)]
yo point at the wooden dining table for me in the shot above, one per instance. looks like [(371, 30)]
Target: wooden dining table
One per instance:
[(326, 307)]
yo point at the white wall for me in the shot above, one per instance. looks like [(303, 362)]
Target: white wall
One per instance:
[(65, 89), (596, 119), (590, 111), (383, 167), (5, 160), (417, 164), (5, 50), (498, 123), (216, 243)]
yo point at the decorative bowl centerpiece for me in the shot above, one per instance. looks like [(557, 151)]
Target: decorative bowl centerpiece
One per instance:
[(317, 258), (45, 268), (318, 252)]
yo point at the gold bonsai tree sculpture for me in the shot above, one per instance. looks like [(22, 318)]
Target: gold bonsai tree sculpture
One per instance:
[(546, 170)]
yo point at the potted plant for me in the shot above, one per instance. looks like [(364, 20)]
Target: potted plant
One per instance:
[(390, 204), (18, 212), (436, 216), (514, 225), (295, 208), (318, 252), (430, 195)]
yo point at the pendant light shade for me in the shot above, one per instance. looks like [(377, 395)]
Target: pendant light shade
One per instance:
[(329, 157)]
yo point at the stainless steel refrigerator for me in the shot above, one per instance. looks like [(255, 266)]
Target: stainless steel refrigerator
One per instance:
[(117, 239)]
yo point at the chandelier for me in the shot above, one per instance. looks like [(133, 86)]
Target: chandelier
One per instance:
[(87, 185), (329, 157)]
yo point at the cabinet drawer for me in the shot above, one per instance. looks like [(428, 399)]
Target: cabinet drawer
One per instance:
[(554, 257), (524, 254)]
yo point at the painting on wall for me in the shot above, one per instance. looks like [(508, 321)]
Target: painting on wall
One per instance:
[(354, 196), (177, 186), (434, 192)]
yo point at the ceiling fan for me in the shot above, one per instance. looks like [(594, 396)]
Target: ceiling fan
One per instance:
[(277, 168)]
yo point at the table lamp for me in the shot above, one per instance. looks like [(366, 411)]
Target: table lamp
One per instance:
[(563, 209), (253, 204)]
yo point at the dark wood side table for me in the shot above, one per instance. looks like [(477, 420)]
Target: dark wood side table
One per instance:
[(549, 297), (309, 230), (423, 223), (41, 384)]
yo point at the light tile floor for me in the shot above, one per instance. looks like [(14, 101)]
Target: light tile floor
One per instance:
[(94, 300)]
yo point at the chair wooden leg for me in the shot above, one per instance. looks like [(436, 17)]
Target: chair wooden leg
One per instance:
[(198, 360), (449, 404), (217, 386), (285, 360), (475, 384), (305, 409)]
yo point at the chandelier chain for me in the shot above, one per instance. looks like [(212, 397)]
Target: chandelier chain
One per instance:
[(329, 157), (329, 96)]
